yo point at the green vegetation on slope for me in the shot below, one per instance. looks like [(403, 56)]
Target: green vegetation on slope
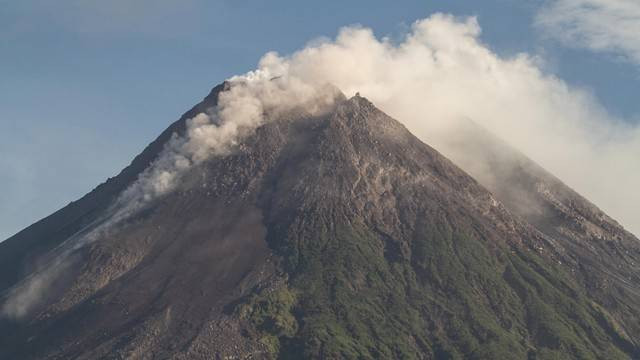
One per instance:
[(450, 298)]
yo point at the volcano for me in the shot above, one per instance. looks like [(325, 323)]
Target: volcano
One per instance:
[(336, 235)]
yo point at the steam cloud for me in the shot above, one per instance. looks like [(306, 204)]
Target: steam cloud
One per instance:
[(439, 73), (252, 99)]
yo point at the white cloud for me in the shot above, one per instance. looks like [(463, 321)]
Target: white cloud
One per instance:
[(610, 26)]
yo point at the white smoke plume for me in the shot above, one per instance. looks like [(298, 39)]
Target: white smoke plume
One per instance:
[(441, 72), (21, 299), (252, 99)]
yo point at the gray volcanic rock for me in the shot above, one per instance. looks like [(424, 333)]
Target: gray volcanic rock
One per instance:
[(328, 236)]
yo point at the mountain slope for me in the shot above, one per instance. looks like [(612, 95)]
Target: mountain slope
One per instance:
[(20, 250), (325, 236), (601, 254)]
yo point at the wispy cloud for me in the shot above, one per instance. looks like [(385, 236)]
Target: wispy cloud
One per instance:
[(610, 26)]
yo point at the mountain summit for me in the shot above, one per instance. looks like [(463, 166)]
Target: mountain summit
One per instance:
[(332, 235)]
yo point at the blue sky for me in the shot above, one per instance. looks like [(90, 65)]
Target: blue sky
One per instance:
[(85, 85)]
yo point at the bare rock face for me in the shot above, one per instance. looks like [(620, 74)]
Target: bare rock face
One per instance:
[(331, 236)]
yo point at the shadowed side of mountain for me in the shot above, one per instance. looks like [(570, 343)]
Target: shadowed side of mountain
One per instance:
[(159, 283), (19, 253)]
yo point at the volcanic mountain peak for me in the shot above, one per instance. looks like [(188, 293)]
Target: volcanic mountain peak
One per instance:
[(321, 235)]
